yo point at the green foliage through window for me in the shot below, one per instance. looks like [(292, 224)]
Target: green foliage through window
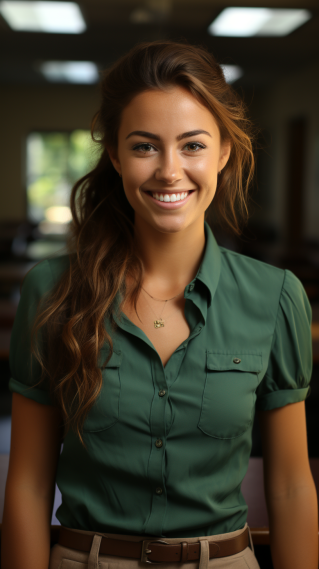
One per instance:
[(55, 161)]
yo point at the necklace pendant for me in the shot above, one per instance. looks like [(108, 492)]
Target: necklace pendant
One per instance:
[(159, 323)]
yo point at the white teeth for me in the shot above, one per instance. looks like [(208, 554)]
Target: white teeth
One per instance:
[(170, 197)]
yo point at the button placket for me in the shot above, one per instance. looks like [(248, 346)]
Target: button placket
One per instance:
[(156, 466)]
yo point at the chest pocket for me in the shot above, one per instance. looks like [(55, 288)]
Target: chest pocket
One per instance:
[(229, 393), (106, 409)]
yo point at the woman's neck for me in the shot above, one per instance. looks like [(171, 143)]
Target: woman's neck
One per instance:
[(171, 260)]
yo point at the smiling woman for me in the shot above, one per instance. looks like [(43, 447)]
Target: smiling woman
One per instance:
[(152, 346)]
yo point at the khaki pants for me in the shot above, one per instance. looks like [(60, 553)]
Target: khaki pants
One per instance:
[(65, 558)]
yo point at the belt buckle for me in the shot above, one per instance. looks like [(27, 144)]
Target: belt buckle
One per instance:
[(146, 551)]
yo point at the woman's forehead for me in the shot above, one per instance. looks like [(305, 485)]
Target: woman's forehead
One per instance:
[(174, 108)]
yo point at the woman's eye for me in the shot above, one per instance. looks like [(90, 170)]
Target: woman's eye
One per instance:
[(194, 146), (145, 147), (190, 146)]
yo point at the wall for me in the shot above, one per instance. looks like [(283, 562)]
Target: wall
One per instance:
[(294, 96)]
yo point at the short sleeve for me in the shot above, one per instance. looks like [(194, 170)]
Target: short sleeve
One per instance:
[(24, 376), (290, 362)]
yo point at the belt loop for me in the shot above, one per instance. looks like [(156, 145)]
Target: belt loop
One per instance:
[(251, 540), (204, 554), (93, 562), (185, 551)]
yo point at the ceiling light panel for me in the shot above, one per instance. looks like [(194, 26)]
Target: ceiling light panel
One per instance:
[(50, 17), (247, 22), (232, 72), (85, 72)]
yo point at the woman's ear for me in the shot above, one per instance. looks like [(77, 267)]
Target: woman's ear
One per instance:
[(114, 159), (225, 150)]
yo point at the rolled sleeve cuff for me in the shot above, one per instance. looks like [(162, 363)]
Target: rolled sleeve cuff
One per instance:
[(38, 395), (282, 398)]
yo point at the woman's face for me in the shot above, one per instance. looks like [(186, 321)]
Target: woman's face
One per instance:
[(169, 154)]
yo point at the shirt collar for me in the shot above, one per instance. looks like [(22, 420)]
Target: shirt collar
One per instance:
[(210, 267), (208, 274)]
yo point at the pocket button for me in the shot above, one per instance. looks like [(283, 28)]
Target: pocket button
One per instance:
[(236, 361)]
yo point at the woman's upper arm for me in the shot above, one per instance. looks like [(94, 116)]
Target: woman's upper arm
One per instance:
[(285, 449), (36, 438)]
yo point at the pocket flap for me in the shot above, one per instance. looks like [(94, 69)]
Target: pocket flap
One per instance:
[(115, 360), (225, 360)]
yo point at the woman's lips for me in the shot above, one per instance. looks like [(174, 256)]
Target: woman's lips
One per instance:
[(169, 205)]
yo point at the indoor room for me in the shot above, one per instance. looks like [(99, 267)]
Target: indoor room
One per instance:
[(53, 58)]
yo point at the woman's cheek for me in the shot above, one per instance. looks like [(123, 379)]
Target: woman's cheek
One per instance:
[(203, 172), (138, 172)]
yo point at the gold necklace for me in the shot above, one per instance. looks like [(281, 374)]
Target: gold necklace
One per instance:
[(159, 322)]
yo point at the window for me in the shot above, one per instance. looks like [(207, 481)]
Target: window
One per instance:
[(55, 161)]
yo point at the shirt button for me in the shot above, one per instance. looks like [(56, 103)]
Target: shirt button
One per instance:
[(159, 490), (159, 443), (191, 287), (236, 361), (162, 392)]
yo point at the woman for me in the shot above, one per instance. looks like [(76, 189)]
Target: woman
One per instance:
[(156, 345)]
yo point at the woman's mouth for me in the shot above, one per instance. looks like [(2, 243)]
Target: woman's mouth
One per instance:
[(170, 200)]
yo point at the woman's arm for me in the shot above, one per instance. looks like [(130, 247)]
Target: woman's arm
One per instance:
[(289, 488), (36, 438)]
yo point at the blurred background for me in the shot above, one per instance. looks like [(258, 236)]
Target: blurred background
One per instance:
[(51, 55)]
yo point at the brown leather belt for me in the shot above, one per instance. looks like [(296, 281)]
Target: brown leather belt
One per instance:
[(153, 549)]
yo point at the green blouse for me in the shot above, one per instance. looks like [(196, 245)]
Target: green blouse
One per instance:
[(168, 447)]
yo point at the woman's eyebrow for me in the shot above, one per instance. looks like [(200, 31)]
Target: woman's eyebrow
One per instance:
[(179, 137)]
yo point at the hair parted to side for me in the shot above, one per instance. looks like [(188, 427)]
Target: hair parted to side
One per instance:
[(100, 245)]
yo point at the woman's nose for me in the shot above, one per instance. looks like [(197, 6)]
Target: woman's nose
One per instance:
[(169, 170)]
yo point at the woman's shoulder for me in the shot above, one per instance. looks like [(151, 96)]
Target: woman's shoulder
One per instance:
[(252, 277), (262, 280), (45, 274), (251, 266)]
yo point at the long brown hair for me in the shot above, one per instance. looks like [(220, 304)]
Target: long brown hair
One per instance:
[(100, 244)]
